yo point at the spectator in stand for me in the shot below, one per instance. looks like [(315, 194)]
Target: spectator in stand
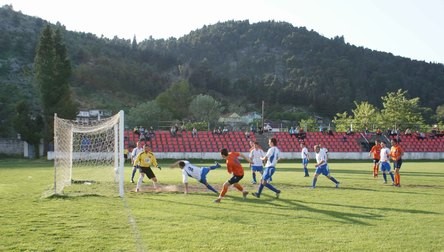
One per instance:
[(393, 133), (173, 131), (378, 132), (349, 131), (247, 134), (420, 135), (194, 132), (301, 133), (151, 132), (292, 131), (408, 132), (136, 131), (225, 130)]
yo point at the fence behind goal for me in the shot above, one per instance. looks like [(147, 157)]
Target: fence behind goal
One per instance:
[(88, 157)]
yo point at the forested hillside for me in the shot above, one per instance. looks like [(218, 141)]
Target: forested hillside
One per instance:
[(235, 61)]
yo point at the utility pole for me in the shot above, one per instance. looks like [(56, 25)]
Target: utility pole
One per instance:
[(262, 114)]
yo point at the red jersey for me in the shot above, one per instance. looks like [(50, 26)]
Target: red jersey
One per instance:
[(233, 164), (376, 151)]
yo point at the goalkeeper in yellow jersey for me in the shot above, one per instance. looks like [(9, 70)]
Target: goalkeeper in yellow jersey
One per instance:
[(144, 160)]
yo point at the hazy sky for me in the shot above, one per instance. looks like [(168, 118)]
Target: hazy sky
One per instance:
[(408, 28)]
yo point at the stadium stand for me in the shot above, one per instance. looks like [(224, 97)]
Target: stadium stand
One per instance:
[(206, 141)]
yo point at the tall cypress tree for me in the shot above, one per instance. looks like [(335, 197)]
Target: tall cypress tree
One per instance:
[(52, 72)]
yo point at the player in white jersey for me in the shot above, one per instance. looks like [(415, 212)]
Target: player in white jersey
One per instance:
[(256, 155), (198, 173), (134, 153), (322, 166), (384, 163), (271, 159), (305, 158)]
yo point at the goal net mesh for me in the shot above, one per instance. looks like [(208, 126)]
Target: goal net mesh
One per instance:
[(88, 157)]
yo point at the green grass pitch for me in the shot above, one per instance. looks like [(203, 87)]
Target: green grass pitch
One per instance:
[(362, 215)]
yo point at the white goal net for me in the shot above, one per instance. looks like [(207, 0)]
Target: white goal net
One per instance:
[(88, 157)]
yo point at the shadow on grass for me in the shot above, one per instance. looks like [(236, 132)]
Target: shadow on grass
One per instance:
[(334, 170), (72, 196)]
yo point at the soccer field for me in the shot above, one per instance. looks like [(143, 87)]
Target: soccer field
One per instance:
[(362, 215)]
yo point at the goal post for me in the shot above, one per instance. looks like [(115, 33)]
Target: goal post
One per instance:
[(88, 156)]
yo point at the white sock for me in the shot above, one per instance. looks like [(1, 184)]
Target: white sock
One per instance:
[(139, 182)]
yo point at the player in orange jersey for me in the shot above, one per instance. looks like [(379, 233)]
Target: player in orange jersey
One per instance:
[(396, 153), (235, 168), (375, 153)]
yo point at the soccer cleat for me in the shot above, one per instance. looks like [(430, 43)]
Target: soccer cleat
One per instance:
[(217, 200), (253, 182), (244, 194), (160, 168), (385, 182), (256, 195), (277, 194), (337, 185), (217, 164), (137, 190), (132, 181)]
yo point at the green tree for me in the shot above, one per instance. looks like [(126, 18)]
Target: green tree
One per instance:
[(365, 115), (440, 113), (400, 112), (342, 121), (8, 108), (176, 99), (147, 114), (308, 124), (52, 73), (205, 108), (29, 126)]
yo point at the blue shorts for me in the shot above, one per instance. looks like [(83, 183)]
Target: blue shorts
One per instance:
[(384, 166), (305, 161), (323, 169), (257, 168), (203, 175), (397, 164), (268, 173)]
